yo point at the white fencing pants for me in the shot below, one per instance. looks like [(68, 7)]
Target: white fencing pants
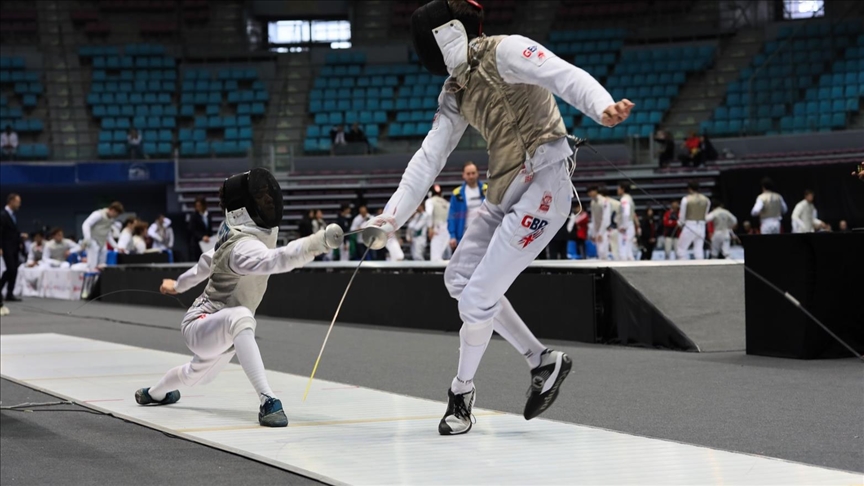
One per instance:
[(625, 244), (440, 243), (720, 244), (96, 255), (693, 233), (503, 240), (211, 338), (670, 245), (345, 251), (614, 238), (602, 244), (770, 226), (395, 250), (418, 248)]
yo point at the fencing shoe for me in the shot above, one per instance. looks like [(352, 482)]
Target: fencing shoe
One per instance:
[(545, 381), (458, 419), (143, 397), (271, 414)]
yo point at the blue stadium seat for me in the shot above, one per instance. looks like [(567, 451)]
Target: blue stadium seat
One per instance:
[(108, 124), (119, 135), (721, 113), (244, 121), (104, 150), (736, 112), (149, 148), (118, 150), (310, 145), (852, 104), (838, 120), (258, 109), (202, 148), (187, 148)]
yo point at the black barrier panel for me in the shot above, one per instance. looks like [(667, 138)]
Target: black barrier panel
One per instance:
[(824, 272), (554, 306), (638, 321)]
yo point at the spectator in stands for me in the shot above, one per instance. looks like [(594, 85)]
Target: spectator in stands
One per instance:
[(337, 137), (671, 230), (133, 144), (318, 224), (804, 217), (304, 227), (11, 244), (124, 241), (58, 248), (37, 250), (139, 231), (9, 143), (709, 152), (770, 207), (648, 237), (842, 226), (344, 222), (666, 152), (199, 229), (465, 203), (577, 228), (691, 155), (162, 233), (359, 221), (356, 135)]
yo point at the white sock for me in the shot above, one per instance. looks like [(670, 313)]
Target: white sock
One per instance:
[(169, 382), (469, 360), (250, 359), (510, 326)]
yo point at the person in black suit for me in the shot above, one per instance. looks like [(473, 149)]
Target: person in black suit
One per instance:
[(198, 228), (10, 243)]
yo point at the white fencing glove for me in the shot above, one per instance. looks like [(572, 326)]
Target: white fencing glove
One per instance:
[(378, 230), (325, 240)]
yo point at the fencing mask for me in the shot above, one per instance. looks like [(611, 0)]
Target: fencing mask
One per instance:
[(433, 15), (252, 196)]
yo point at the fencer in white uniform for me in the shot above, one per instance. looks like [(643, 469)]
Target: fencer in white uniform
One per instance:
[(601, 220), (805, 218), (58, 249), (691, 218), (417, 233), (724, 224), (221, 322), (97, 232), (627, 229), (503, 86), (770, 207), (438, 210), (162, 233)]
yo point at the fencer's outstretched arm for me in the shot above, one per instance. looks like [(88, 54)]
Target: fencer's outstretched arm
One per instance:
[(428, 161), (544, 68), (195, 275), (252, 257)]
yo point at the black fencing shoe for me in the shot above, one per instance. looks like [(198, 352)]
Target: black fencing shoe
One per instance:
[(271, 414), (143, 397), (545, 381), (458, 419)]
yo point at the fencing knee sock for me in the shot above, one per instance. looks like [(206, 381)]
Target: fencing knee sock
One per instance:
[(473, 339), (169, 382), (511, 327), (250, 359)]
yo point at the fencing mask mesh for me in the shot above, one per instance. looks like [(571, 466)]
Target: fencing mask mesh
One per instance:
[(255, 193), (431, 16)]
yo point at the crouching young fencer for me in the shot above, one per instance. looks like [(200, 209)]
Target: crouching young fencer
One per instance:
[(221, 322), (503, 86)]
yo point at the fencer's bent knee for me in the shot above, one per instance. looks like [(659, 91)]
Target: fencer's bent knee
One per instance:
[(476, 334), (241, 318), (453, 281)]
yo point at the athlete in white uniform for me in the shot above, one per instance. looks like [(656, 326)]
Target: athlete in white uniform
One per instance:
[(601, 220), (97, 232), (221, 322), (439, 235), (770, 207), (627, 229), (691, 218), (417, 233), (805, 218), (58, 249), (503, 86), (724, 224)]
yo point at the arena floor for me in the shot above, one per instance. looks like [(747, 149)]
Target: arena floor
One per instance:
[(807, 412)]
